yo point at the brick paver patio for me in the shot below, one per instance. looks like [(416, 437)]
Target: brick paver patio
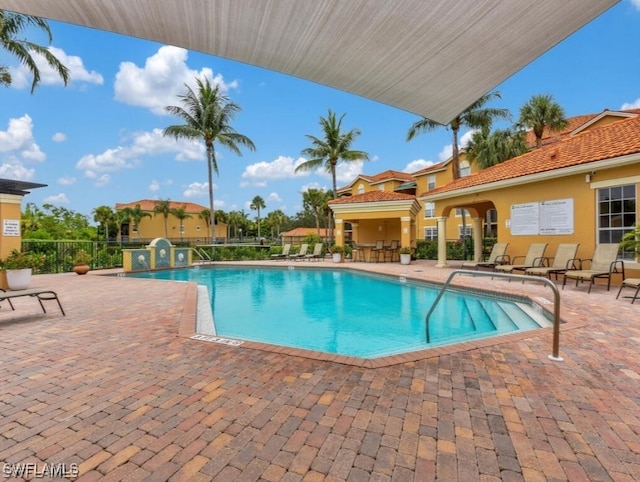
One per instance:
[(118, 391)]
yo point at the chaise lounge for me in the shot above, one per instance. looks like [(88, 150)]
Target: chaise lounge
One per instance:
[(40, 294), (533, 258), (603, 264), (496, 257), (565, 259)]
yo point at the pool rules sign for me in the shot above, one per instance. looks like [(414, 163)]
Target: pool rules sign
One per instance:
[(11, 227), (542, 218)]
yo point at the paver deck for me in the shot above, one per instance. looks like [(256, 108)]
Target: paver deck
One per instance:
[(118, 391)]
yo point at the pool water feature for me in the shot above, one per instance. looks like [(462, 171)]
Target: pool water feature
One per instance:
[(346, 312)]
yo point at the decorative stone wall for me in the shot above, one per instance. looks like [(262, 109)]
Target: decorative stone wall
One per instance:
[(159, 254)]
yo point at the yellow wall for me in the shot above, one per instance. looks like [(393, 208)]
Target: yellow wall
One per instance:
[(194, 227), (10, 210)]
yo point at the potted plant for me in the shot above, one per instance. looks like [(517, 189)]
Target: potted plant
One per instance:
[(81, 262), (405, 255), (336, 253), (19, 267)]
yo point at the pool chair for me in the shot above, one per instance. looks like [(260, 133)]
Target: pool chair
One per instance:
[(496, 257), (393, 250), (564, 260), (630, 283), (356, 252), (533, 258), (304, 248), (285, 252), (603, 264), (317, 253), (377, 250)]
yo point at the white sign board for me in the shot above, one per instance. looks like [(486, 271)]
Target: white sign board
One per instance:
[(556, 217), (11, 227), (524, 219)]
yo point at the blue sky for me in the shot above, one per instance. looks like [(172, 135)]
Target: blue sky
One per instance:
[(98, 141)]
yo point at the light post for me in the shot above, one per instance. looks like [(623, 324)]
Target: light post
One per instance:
[(240, 234)]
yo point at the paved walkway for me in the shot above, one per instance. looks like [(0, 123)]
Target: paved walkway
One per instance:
[(118, 391)]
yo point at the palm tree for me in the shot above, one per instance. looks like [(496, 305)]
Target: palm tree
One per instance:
[(331, 148), (123, 216), (315, 201), (104, 215), (181, 214), (489, 148), (12, 26), (542, 112), (137, 214), (275, 220), (476, 116), (207, 114), (238, 220), (257, 203), (163, 206)]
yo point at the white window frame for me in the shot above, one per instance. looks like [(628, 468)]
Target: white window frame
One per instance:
[(431, 233), (431, 210), (431, 182)]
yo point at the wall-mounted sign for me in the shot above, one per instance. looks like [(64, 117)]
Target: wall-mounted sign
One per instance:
[(524, 219), (11, 227), (544, 218)]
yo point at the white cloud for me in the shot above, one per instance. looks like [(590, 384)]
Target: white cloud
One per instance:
[(57, 199), (635, 104), (112, 160), (416, 165), (67, 181), (636, 3), (59, 137), (103, 180), (21, 77), (162, 78), (197, 189), (447, 151), (154, 186), (347, 171), (13, 169), (313, 185), (18, 140), (260, 173), (274, 197)]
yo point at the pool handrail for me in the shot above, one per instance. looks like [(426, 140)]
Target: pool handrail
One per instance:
[(556, 302)]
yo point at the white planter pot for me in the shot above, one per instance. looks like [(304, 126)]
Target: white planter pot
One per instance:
[(337, 257), (405, 259), (18, 279)]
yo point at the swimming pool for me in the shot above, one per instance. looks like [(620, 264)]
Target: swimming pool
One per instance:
[(344, 312)]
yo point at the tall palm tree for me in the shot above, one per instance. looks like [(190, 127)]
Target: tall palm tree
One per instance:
[(275, 220), (163, 207), (257, 203), (476, 116), (542, 112), (315, 201), (12, 26), (123, 216), (104, 215), (182, 214), (488, 148), (207, 114), (332, 147), (137, 214)]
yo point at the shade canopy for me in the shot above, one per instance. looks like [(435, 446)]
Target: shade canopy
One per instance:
[(432, 58), (12, 186)]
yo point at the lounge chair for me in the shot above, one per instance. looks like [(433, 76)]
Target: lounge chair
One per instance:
[(40, 294), (378, 250), (603, 264), (564, 260), (630, 283), (285, 252), (317, 252), (496, 257), (304, 248), (533, 258)]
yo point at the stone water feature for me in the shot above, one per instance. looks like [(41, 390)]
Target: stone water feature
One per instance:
[(159, 254)]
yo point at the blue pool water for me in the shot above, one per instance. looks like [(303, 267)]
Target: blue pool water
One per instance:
[(343, 312)]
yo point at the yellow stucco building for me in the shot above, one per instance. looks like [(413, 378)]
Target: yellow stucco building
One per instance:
[(581, 187)]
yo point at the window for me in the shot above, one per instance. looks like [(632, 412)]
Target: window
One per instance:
[(459, 212), (134, 228), (198, 227), (432, 182), (466, 230), (465, 168), (381, 187), (617, 214), (429, 210), (431, 233), (360, 188)]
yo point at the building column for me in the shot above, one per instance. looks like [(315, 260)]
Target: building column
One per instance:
[(442, 242), (405, 231), (355, 235), (339, 232), (477, 239)]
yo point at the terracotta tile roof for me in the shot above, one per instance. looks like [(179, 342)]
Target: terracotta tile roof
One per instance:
[(373, 196), (610, 141), (434, 167), (149, 204), (380, 177), (305, 232)]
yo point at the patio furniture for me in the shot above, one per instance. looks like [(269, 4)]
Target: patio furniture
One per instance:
[(603, 264), (496, 257), (378, 250), (40, 294), (304, 248), (285, 252), (564, 260), (356, 252), (317, 253), (630, 283), (533, 258), (392, 249)]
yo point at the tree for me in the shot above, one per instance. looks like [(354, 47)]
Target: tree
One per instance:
[(104, 215), (315, 200), (137, 214), (542, 112), (488, 148), (238, 220), (163, 206), (331, 148), (12, 26), (207, 114), (257, 203), (476, 116), (275, 219), (181, 214)]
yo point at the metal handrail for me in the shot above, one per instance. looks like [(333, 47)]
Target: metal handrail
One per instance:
[(202, 254), (556, 302)]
